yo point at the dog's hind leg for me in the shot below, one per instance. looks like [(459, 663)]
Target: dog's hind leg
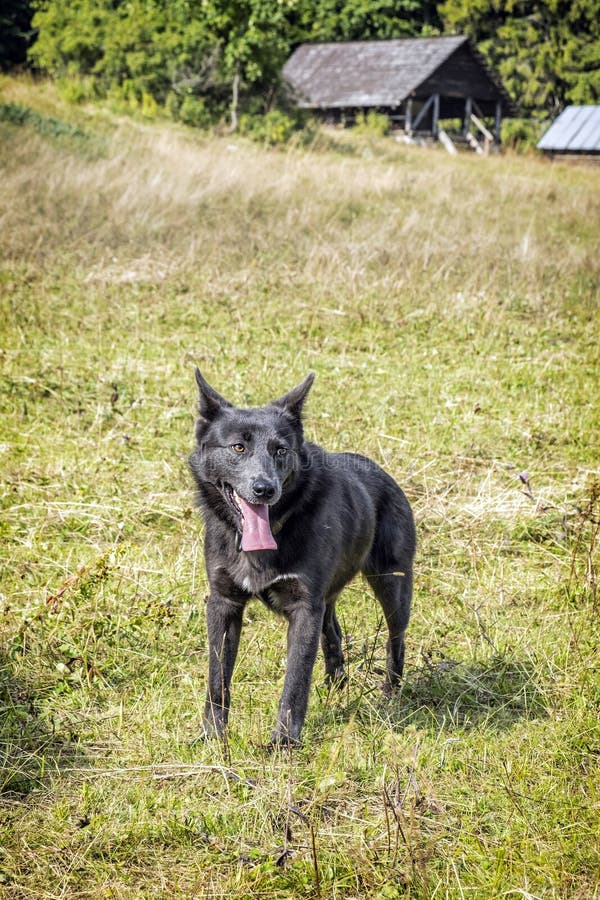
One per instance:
[(394, 592), (331, 644), (389, 570)]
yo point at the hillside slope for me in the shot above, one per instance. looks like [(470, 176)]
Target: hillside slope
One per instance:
[(449, 307)]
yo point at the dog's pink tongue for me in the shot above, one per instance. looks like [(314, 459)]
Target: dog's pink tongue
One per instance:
[(256, 531)]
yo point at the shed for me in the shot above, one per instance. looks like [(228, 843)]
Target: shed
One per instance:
[(576, 132), (416, 81)]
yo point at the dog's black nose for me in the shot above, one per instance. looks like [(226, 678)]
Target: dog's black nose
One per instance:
[(263, 489)]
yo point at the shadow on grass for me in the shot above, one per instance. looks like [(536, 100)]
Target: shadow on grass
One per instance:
[(496, 693), (445, 694), (30, 747)]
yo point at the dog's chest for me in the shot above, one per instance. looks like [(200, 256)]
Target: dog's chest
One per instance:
[(266, 582)]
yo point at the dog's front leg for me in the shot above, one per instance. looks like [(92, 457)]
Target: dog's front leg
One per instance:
[(224, 626), (305, 622)]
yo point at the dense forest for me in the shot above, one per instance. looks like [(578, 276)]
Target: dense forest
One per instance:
[(192, 59)]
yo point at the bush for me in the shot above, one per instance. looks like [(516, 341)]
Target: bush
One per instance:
[(149, 106), (173, 105), (372, 123), (522, 135), (272, 128), (77, 90), (192, 111)]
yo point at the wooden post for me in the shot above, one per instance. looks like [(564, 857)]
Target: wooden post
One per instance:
[(498, 123), (422, 112), (436, 115), (467, 119), (408, 117)]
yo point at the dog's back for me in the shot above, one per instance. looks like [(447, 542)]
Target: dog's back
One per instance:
[(356, 518)]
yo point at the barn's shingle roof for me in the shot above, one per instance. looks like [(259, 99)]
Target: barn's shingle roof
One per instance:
[(577, 130), (366, 73)]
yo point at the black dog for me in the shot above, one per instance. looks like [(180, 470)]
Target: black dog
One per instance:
[(292, 524)]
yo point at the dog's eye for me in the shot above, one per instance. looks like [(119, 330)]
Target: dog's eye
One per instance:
[(281, 452), (239, 448)]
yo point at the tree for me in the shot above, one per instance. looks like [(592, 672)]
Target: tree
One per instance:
[(134, 49), (352, 20), (253, 38), (152, 47)]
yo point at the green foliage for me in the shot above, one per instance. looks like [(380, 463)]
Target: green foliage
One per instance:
[(547, 54), (46, 125), (70, 36), (129, 50), (77, 89), (272, 128), (137, 49), (522, 134), (252, 36), (372, 123), (337, 20), (193, 110)]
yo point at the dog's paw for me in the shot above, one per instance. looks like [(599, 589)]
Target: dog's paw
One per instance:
[(211, 731), (337, 680), (282, 742), (389, 688)]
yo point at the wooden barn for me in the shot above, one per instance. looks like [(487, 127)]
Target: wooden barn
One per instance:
[(415, 81)]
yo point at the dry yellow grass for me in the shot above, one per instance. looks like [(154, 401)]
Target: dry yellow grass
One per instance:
[(405, 216)]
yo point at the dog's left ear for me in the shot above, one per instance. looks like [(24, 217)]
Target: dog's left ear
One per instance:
[(293, 401)]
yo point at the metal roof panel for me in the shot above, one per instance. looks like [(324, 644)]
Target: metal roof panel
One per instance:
[(588, 136), (577, 130)]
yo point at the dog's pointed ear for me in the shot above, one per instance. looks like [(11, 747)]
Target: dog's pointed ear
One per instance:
[(293, 401), (210, 401)]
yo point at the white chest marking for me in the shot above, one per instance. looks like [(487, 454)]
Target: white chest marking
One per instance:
[(256, 585)]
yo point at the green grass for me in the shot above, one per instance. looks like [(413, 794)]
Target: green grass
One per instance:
[(450, 309)]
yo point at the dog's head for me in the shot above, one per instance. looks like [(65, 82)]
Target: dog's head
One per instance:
[(249, 456)]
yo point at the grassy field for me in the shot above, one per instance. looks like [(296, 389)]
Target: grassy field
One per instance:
[(449, 307)]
